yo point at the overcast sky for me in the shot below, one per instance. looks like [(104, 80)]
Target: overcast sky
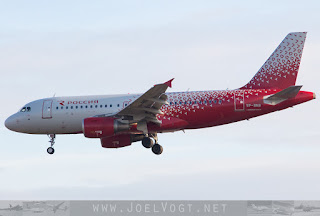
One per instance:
[(109, 47)]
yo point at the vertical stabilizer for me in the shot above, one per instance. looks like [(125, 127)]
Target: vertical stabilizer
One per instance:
[(281, 69)]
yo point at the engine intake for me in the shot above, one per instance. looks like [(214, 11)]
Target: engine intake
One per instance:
[(97, 127)]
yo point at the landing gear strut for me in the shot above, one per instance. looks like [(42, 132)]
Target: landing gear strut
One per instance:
[(147, 142), (52, 137)]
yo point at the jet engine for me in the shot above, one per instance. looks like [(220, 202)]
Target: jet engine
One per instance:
[(97, 127), (120, 140), (116, 141)]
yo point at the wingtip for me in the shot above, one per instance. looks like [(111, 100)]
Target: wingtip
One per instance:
[(169, 83)]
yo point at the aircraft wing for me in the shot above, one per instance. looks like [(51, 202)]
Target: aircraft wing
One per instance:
[(146, 107)]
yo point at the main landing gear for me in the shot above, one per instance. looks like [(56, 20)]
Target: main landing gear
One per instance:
[(52, 137), (148, 142)]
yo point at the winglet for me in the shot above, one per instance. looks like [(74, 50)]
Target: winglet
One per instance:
[(169, 83)]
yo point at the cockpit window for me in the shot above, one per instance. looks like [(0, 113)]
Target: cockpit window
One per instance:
[(25, 109)]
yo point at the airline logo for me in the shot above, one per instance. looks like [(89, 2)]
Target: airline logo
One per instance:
[(62, 103)]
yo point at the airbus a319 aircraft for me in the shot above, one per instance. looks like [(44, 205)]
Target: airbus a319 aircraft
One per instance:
[(120, 120)]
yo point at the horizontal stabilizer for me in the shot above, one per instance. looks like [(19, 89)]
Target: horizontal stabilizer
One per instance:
[(283, 95)]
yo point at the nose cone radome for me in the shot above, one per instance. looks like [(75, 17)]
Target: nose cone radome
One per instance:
[(10, 123)]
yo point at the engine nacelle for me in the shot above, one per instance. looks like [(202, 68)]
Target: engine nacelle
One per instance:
[(97, 127), (116, 141)]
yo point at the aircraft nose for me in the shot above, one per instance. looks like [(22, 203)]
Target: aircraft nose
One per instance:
[(10, 123)]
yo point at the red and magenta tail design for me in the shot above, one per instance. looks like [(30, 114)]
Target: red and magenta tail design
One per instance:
[(281, 69)]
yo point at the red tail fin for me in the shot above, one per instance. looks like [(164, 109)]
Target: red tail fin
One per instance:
[(281, 69)]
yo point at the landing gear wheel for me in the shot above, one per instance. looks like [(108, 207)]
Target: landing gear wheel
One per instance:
[(50, 150), (147, 142), (52, 137), (157, 149)]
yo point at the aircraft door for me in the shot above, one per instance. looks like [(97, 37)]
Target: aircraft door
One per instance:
[(239, 100), (47, 109)]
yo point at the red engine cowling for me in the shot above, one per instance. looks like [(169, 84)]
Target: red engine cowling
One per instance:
[(97, 127), (116, 141)]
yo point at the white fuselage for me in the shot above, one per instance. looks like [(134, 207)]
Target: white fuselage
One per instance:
[(64, 115)]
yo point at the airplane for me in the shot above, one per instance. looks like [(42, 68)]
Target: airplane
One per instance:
[(120, 120), (34, 209), (55, 208), (259, 208), (52, 207), (12, 208), (307, 208), (283, 211)]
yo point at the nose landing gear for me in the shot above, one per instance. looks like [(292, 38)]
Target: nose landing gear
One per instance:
[(52, 137)]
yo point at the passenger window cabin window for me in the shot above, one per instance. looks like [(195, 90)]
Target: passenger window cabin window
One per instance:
[(190, 102), (71, 107), (210, 101), (66, 107), (175, 103), (110, 105), (106, 106), (195, 102), (180, 102), (23, 109), (215, 101), (126, 105), (100, 106), (76, 107), (220, 101), (57, 107), (200, 102), (96, 106), (62, 107), (118, 105), (90, 106), (86, 106), (81, 107)]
